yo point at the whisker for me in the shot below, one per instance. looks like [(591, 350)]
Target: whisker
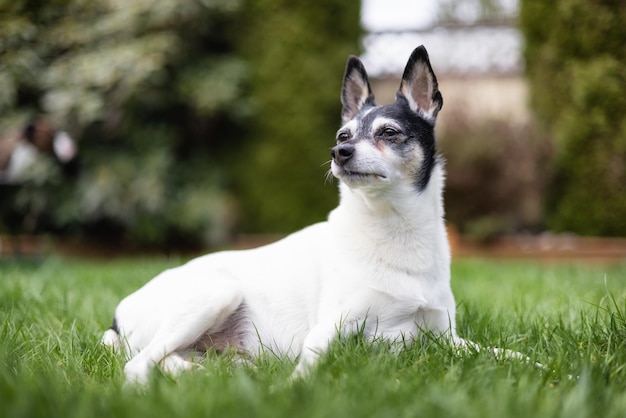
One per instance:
[(328, 177)]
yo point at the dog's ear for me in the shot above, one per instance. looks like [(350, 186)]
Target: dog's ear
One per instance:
[(419, 86), (356, 90)]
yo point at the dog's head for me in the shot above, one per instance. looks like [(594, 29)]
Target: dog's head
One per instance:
[(383, 146)]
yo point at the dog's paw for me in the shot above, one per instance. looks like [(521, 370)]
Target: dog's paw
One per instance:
[(111, 339), (300, 372), (174, 364), (137, 373), (506, 354)]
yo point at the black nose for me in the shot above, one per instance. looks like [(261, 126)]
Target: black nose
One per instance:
[(342, 153)]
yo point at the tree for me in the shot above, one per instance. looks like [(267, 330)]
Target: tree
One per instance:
[(575, 54), (297, 52), (148, 88), (178, 106)]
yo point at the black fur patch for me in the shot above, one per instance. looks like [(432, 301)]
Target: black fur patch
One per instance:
[(114, 326), (416, 130)]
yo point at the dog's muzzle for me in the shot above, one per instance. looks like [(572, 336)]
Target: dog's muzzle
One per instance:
[(342, 153)]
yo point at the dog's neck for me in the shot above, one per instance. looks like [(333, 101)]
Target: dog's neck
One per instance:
[(403, 205), (401, 219), (404, 227)]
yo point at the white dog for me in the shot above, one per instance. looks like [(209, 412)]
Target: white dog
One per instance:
[(380, 264)]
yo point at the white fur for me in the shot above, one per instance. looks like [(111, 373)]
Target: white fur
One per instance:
[(380, 264), (379, 122), (380, 261)]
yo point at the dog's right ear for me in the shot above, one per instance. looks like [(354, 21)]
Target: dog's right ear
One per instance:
[(356, 91), (419, 86)]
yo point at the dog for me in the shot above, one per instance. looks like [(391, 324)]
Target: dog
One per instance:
[(380, 264)]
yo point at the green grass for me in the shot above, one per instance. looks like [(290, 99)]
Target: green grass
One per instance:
[(570, 317)]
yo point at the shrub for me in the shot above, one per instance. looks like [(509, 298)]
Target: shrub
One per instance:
[(575, 59), (148, 90), (178, 105), (497, 174), (297, 52)]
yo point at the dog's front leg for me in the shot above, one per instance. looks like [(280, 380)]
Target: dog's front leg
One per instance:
[(315, 343), (319, 338)]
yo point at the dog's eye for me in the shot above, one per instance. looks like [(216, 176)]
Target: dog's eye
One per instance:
[(389, 132), (343, 136)]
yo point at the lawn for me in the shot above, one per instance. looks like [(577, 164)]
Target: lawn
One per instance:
[(568, 316)]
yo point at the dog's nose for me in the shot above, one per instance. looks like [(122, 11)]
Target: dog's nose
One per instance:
[(342, 153)]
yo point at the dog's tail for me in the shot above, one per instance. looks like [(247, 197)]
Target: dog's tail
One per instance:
[(464, 346), (111, 337)]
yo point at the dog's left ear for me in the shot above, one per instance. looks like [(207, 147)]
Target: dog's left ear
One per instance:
[(419, 86), (356, 91)]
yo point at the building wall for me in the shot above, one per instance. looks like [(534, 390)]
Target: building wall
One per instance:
[(481, 98)]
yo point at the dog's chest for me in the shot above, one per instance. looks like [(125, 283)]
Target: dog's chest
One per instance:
[(375, 287), (385, 243)]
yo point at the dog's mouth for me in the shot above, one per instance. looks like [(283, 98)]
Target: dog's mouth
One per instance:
[(352, 174), (357, 175)]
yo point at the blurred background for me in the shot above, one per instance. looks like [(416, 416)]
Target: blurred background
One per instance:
[(186, 123)]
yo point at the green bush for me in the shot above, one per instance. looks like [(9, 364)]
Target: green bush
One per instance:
[(297, 52), (178, 106), (497, 175), (148, 89), (575, 59)]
